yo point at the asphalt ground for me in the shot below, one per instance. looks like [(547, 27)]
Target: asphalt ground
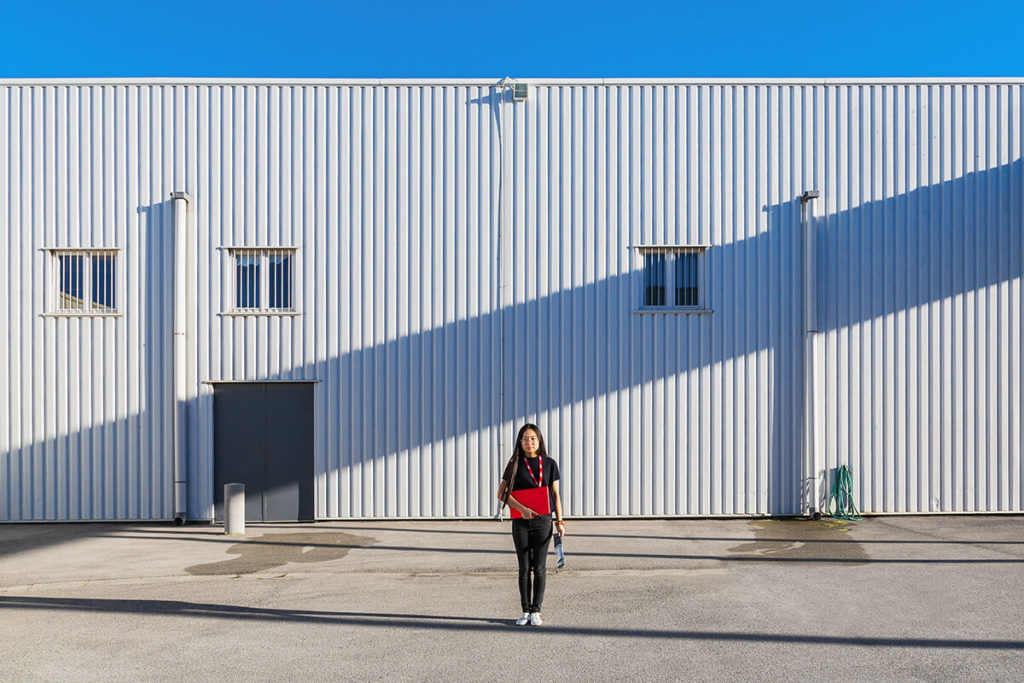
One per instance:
[(887, 598)]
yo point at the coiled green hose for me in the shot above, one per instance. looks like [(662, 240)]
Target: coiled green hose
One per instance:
[(842, 496)]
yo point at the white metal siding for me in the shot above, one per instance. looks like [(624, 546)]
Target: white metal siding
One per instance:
[(84, 430), (661, 414), (922, 270), (394, 235), (411, 205)]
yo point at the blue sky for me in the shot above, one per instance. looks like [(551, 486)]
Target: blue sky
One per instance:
[(320, 39)]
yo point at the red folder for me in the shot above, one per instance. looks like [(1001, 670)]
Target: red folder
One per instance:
[(537, 499)]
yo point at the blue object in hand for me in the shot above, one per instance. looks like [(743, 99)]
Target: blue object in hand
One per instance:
[(559, 550)]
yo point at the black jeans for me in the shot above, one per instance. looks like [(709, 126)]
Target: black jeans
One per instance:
[(532, 538)]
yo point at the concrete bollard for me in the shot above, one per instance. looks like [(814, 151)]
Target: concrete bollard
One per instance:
[(234, 509)]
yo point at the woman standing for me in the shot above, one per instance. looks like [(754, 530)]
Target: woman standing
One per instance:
[(531, 468)]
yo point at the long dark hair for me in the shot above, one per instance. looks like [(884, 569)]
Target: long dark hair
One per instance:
[(518, 452)]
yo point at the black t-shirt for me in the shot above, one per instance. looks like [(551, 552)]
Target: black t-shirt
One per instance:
[(524, 481)]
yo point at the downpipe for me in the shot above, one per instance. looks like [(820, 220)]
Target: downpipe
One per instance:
[(811, 494), (182, 292)]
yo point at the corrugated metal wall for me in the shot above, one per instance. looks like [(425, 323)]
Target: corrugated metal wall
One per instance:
[(661, 414), (390, 195), (447, 235), (84, 421), (921, 275)]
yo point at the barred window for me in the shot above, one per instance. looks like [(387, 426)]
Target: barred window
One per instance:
[(654, 279), (686, 269), (674, 278), (264, 280), (84, 281)]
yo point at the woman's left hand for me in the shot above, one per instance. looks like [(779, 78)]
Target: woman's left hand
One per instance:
[(561, 528)]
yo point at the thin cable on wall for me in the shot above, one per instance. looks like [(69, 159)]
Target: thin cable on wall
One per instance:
[(501, 87)]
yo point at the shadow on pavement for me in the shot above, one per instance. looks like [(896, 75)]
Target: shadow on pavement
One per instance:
[(746, 552), (455, 623)]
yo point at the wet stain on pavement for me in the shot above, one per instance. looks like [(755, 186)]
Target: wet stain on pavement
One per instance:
[(795, 540), (274, 550)]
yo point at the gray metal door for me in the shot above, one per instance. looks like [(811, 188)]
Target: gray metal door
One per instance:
[(263, 438)]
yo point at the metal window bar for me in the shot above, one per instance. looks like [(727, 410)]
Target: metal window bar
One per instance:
[(84, 281), (255, 300), (247, 280), (654, 279), (279, 272), (687, 279), (112, 281), (264, 280), (70, 287), (102, 296)]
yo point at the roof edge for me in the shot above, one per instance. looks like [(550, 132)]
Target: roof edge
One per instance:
[(485, 82)]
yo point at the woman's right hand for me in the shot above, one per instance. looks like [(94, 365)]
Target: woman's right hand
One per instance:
[(528, 513)]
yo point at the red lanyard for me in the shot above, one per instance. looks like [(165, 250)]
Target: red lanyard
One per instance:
[(536, 480)]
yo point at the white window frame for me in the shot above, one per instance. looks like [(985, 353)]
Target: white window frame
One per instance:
[(264, 254), (670, 250), (53, 293)]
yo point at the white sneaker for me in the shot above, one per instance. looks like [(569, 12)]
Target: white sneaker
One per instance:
[(535, 619), (523, 620)]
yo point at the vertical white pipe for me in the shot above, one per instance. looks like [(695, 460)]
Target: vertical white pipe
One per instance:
[(812, 466), (182, 296), (505, 188)]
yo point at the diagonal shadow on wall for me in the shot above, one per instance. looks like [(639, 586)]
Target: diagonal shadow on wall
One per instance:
[(875, 259), (913, 253)]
